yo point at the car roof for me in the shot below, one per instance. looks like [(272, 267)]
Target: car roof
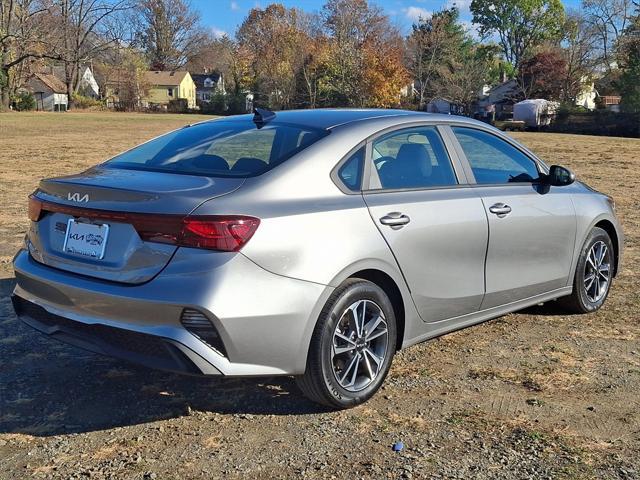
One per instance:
[(329, 118)]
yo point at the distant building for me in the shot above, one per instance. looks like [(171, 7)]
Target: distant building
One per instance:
[(611, 102), (123, 88), (87, 84), (50, 93), (167, 86), (444, 105), (207, 85)]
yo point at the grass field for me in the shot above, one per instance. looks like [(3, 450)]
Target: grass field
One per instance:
[(537, 394)]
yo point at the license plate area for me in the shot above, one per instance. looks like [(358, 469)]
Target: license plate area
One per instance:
[(85, 239)]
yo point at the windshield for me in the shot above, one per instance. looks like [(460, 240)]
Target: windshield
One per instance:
[(220, 149)]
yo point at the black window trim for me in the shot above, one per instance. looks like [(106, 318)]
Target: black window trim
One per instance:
[(456, 164), (335, 172), (542, 168)]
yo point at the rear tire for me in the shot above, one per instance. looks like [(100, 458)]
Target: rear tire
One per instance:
[(593, 275), (352, 346)]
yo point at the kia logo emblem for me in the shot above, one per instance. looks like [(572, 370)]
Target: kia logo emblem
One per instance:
[(76, 197)]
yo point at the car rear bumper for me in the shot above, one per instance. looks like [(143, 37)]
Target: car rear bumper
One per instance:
[(264, 321)]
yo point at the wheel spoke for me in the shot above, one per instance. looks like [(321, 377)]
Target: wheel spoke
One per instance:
[(358, 357), (346, 371), (354, 316), (604, 267), (341, 350), (345, 338), (588, 281), (372, 325), (602, 253), (377, 334), (368, 365), (375, 358), (362, 317)]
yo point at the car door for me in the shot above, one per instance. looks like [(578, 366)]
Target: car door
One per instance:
[(531, 225), (434, 224)]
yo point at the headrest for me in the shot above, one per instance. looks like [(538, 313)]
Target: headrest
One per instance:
[(211, 162), (415, 154), (249, 165)]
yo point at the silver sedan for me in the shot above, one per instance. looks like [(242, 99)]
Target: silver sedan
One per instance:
[(309, 243)]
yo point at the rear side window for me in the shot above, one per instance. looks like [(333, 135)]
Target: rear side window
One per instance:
[(412, 158), (351, 171), (493, 160), (220, 149)]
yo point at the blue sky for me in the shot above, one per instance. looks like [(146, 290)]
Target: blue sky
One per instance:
[(224, 16)]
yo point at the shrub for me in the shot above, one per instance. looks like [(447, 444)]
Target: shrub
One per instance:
[(83, 102), (567, 108), (24, 101), (179, 105)]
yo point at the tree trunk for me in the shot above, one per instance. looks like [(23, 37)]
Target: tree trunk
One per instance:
[(4, 82)]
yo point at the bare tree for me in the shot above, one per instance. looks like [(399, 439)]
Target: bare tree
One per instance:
[(609, 19), (169, 31), (432, 43), (25, 32), (578, 51), (462, 78), (87, 28)]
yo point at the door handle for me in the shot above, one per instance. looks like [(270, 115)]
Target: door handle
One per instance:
[(395, 219), (500, 209)]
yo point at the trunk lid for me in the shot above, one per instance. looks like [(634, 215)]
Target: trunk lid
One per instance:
[(125, 257)]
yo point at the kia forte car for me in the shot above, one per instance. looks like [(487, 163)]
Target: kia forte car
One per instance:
[(308, 243)]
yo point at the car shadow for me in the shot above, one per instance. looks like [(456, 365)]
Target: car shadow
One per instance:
[(552, 308), (50, 388)]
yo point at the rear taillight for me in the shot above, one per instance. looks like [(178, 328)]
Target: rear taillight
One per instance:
[(228, 233), (35, 208), (218, 233)]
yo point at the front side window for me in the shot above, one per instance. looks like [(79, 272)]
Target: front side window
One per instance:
[(494, 160), (170, 92), (219, 149), (412, 158)]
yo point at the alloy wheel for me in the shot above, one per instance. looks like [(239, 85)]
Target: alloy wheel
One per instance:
[(359, 346), (597, 272)]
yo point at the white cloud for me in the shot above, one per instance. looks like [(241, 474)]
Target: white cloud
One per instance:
[(415, 13), (218, 33), (235, 6), (471, 29), (462, 5)]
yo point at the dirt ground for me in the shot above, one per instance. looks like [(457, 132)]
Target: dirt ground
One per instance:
[(537, 394)]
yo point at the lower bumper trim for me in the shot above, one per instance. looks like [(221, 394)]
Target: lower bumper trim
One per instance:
[(140, 348)]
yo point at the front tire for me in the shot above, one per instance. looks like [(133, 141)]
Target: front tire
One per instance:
[(594, 273), (352, 346)]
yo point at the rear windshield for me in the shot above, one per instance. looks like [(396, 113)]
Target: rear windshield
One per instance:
[(220, 149)]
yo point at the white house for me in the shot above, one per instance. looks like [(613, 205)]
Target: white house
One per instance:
[(207, 85), (49, 92), (88, 86)]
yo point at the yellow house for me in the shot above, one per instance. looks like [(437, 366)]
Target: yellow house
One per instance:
[(167, 86)]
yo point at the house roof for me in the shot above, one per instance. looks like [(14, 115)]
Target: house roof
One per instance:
[(199, 79), (172, 79), (52, 82), (504, 86)]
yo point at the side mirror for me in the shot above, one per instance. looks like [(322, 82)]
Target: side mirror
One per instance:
[(560, 176)]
